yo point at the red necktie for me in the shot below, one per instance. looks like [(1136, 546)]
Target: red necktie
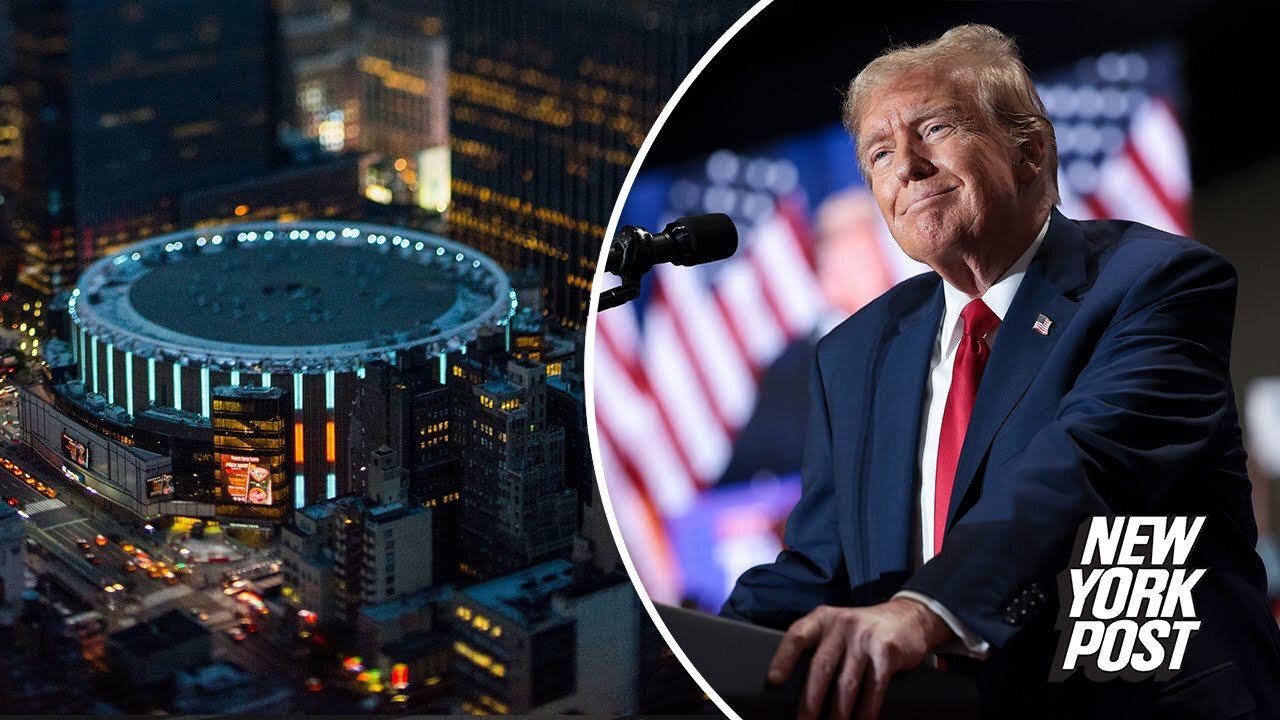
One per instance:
[(966, 373)]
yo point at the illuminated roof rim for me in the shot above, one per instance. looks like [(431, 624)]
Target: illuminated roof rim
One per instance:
[(119, 323)]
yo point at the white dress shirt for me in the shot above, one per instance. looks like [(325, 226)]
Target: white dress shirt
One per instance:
[(998, 297)]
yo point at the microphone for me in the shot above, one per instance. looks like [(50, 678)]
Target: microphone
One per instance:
[(691, 240)]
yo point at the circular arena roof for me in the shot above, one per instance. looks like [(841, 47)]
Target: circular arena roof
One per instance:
[(291, 297)]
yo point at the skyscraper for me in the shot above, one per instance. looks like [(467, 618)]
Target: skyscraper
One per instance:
[(550, 100), (177, 96), (41, 189)]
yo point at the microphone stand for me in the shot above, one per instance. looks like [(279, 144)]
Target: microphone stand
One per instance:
[(624, 263), (626, 292)]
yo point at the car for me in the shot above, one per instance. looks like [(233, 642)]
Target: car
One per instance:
[(249, 626), (13, 502), (128, 547), (93, 559), (49, 492), (314, 685), (130, 566), (236, 634), (100, 540), (83, 545)]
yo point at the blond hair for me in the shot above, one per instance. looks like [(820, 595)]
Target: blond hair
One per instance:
[(988, 61)]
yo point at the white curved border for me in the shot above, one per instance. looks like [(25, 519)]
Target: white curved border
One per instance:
[(589, 362)]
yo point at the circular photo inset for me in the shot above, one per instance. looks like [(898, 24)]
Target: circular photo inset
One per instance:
[(927, 349)]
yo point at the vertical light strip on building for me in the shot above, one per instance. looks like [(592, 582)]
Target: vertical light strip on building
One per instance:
[(177, 386), (444, 361), (204, 392), (111, 375), (331, 486), (508, 336), (266, 379), (464, 348), (128, 382), (84, 364), (299, 491), (330, 442), (235, 377), (151, 380), (360, 372), (299, 454), (93, 347)]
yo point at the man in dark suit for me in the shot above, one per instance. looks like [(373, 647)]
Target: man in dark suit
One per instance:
[(967, 422)]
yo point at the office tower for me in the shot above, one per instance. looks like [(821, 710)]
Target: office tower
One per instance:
[(41, 196), (549, 102), (402, 78), (253, 469), (117, 125), (176, 97), (516, 509), (317, 73)]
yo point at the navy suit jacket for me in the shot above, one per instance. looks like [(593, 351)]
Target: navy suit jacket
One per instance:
[(1125, 407)]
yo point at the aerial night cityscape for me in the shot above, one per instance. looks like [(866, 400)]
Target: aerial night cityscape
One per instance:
[(292, 303)]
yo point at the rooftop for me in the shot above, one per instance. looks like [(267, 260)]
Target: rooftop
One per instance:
[(159, 634), (291, 297), (415, 602), (524, 596)]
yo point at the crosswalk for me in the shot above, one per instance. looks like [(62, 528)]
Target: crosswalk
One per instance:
[(159, 597), (45, 505)]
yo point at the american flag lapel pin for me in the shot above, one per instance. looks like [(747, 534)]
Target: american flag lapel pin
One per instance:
[(1042, 324)]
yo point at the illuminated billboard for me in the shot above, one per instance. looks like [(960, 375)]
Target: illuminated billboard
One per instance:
[(247, 481), (75, 451), (160, 486), (434, 178)]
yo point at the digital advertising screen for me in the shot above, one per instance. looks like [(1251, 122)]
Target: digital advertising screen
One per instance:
[(160, 486), (247, 481), (75, 451)]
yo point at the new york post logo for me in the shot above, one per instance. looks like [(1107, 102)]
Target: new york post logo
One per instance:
[(1127, 609)]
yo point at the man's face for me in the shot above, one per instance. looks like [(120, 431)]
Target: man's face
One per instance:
[(944, 180)]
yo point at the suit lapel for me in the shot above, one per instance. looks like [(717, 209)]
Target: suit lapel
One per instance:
[(891, 468), (1047, 288)]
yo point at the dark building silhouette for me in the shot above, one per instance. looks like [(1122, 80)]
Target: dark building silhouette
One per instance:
[(516, 508), (117, 125)]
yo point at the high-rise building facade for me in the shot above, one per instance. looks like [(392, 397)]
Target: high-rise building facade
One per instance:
[(402, 77), (253, 470), (41, 190), (178, 96), (516, 509), (550, 100), (317, 81), (116, 125)]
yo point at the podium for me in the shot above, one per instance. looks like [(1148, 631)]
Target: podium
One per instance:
[(733, 657)]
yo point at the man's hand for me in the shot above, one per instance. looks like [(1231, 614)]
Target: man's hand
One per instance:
[(865, 646)]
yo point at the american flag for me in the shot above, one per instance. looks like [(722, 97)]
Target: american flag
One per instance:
[(676, 372)]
